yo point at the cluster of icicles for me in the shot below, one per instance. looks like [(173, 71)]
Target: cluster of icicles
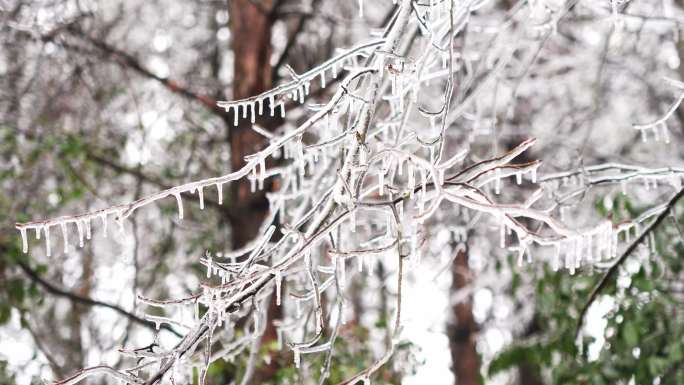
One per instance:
[(83, 222), (299, 87)]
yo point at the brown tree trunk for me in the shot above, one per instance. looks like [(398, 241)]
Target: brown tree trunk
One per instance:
[(250, 26), (462, 329)]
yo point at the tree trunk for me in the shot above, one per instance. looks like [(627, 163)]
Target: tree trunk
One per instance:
[(462, 329), (250, 26)]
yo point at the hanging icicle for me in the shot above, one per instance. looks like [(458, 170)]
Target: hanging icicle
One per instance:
[(278, 283), (24, 240), (180, 205), (46, 229), (79, 227)]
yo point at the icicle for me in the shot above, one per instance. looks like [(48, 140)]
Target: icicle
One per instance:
[(64, 236), (86, 222), (643, 135), (361, 9), (200, 192), (79, 226), (556, 257), (666, 132), (271, 105), (295, 350), (24, 240), (323, 79), (652, 243), (282, 109), (219, 190), (180, 205), (236, 112), (46, 229), (521, 253), (38, 230), (518, 178), (260, 104), (278, 282), (252, 181), (262, 172), (533, 174), (120, 222), (103, 217), (245, 107), (252, 116)]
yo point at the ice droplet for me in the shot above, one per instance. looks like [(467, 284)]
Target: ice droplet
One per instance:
[(219, 190), (180, 205), (278, 282), (295, 350), (46, 228), (79, 226), (24, 241)]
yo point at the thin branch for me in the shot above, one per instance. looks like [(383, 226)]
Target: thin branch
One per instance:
[(53, 289), (607, 277)]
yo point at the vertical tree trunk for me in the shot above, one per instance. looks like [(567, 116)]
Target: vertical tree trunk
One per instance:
[(462, 328), (250, 26)]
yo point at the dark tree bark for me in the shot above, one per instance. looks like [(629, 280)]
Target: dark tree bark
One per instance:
[(462, 329), (250, 26)]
